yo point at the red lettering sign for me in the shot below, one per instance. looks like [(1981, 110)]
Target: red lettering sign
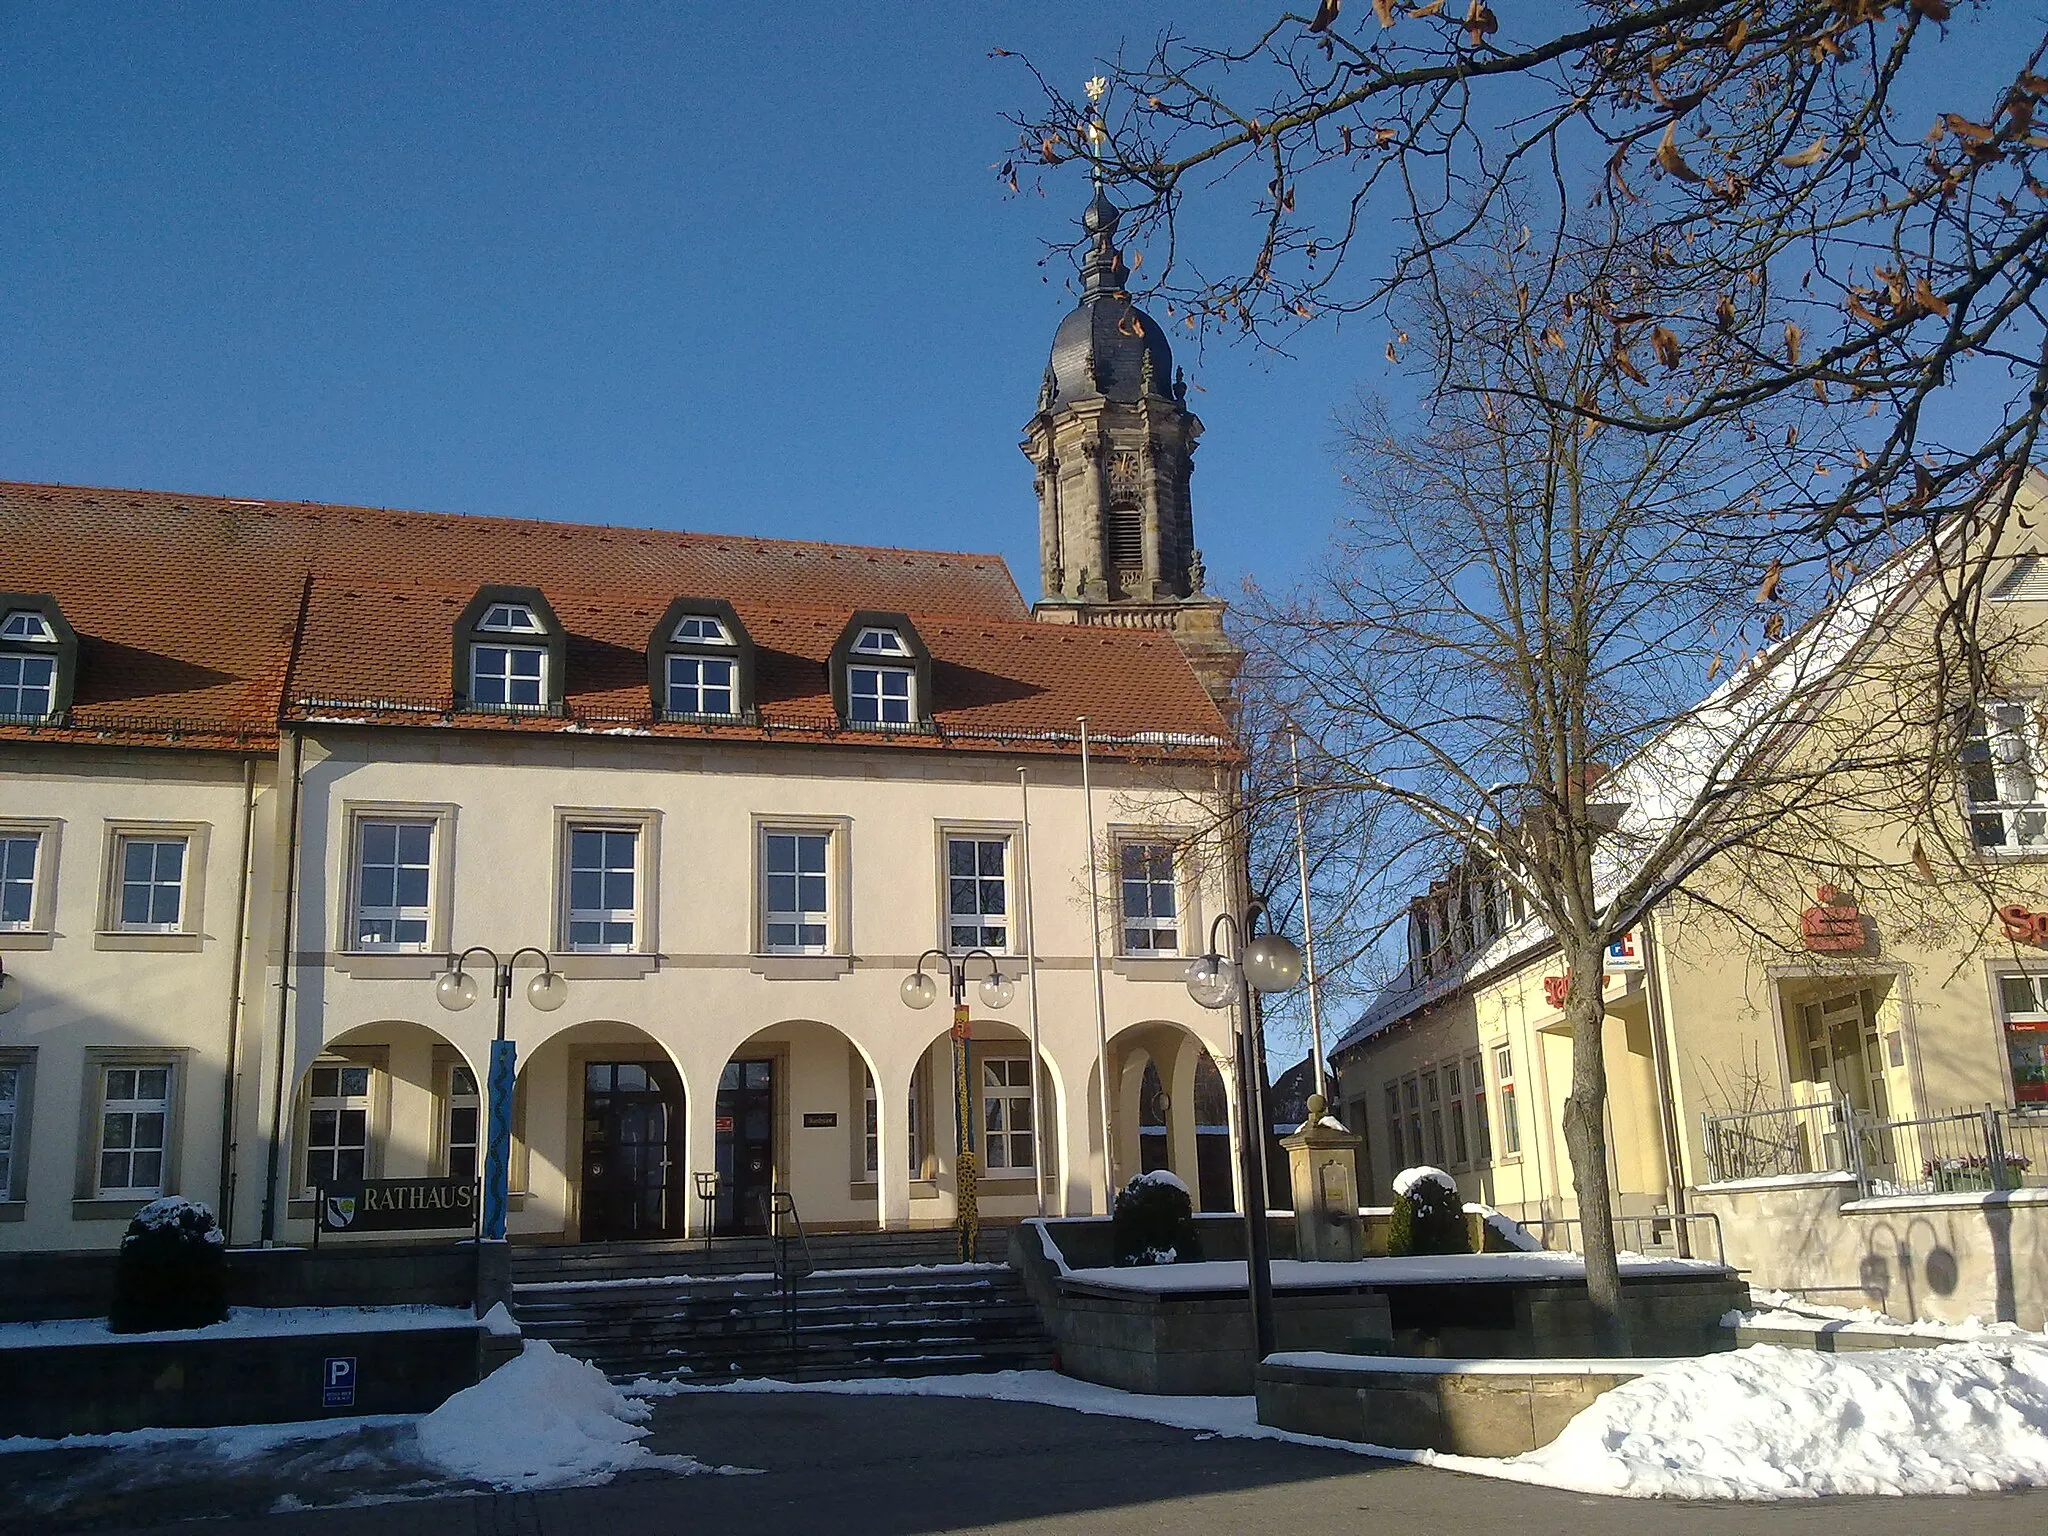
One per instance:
[(1835, 926), (2023, 926), (1555, 989)]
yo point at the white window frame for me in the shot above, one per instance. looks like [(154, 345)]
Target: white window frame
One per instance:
[(17, 1092), (36, 630), (454, 1099), (979, 920), (1505, 1097), (800, 916), (677, 661), (628, 916), (120, 922), (1482, 1124), (18, 663), (510, 619), (1458, 1136), (42, 842), (708, 629), (134, 1109), (1151, 924), (506, 678), (369, 1102), (1010, 1094), (1396, 1149), (880, 640), (2033, 1018), (423, 914), (2004, 778), (879, 694), (871, 1126)]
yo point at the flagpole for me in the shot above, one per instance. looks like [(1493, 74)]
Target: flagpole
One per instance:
[(1031, 981), (1101, 1008), (1308, 923)]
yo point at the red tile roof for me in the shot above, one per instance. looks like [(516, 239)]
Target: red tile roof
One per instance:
[(204, 621)]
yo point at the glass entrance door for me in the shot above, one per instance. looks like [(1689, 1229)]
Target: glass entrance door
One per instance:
[(632, 1115), (746, 1147)]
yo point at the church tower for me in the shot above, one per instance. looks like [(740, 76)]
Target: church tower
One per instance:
[(1113, 443)]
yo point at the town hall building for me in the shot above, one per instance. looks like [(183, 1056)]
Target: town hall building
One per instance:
[(266, 768)]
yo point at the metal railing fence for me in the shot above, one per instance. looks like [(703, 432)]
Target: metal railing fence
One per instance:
[(1663, 1234), (1958, 1152)]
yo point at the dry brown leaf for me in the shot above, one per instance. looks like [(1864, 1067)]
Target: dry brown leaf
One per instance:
[(1430, 9), (1552, 337), (1925, 296), (1817, 150), (1767, 589), (1383, 10), (1627, 365), (1774, 626), (1668, 352), (1671, 160), (1793, 335), (1724, 312), (1479, 20), (1933, 10), (1326, 14), (1921, 862), (1713, 667)]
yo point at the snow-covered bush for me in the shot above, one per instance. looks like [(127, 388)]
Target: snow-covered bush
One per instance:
[(1154, 1221), (1429, 1215), (171, 1271)]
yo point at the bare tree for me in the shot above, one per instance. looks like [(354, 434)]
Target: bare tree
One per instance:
[(1844, 200), (1506, 656)]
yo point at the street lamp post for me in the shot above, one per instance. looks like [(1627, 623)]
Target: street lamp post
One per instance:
[(920, 991), (1266, 962), (455, 991)]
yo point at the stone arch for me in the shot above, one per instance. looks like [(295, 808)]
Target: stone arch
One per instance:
[(785, 1109), (991, 1042), (1189, 1074), (600, 1122), (391, 1098)]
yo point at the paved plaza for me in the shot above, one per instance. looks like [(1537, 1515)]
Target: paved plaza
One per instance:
[(900, 1466)]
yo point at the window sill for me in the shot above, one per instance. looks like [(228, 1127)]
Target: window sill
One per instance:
[(162, 943), (389, 965), (123, 1209), (27, 938), (801, 967), (13, 1210), (600, 966), (1135, 968), (1007, 1186)]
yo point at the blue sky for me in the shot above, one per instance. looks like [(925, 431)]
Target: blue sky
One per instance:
[(682, 265)]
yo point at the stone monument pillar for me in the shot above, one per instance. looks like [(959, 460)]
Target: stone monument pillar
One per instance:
[(1322, 1159)]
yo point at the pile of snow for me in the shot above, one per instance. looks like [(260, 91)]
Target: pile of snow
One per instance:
[(1160, 1176), (1406, 1180), (176, 1211), (1511, 1231), (1781, 1309), (542, 1421), (243, 1323), (1773, 1423)]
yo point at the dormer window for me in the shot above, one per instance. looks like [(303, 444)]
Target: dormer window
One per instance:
[(38, 658), (508, 653), (881, 674), (701, 629), (510, 619), (700, 663), (880, 642)]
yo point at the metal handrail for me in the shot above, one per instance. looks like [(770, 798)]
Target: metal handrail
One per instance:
[(776, 1205)]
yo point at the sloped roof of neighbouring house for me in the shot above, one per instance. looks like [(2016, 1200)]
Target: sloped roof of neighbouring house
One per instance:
[(206, 621)]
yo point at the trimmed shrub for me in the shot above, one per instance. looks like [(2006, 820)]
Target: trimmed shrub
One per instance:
[(1154, 1221), (1429, 1215), (172, 1270)]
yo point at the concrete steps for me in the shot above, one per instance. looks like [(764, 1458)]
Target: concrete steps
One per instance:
[(659, 1309)]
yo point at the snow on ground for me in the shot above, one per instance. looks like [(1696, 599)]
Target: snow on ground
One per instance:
[(1292, 1274), (1773, 1423), (243, 1323), (1781, 1309), (544, 1420), (1761, 1423)]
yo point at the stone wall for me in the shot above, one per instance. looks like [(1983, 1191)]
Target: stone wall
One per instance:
[(1922, 1258), (101, 1388), (1470, 1408), (35, 1287)]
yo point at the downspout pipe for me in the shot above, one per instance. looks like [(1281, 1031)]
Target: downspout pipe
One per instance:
[(1660, 1056), (230, 1070), (286, 966)]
